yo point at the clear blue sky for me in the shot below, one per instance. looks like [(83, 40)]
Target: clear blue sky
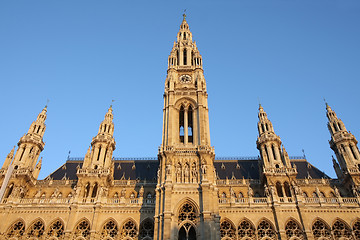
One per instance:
[(83, 54)]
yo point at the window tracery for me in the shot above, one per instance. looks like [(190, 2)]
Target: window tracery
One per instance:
[(37, 229), (321, 230), (340, 230), (129, 229), (227, 230), (56, 229), (187, 212), (265, 230), (146, 230), (83, 229), (110, 229), (246, 230), (292, 229), (16, 230), (356, 230)]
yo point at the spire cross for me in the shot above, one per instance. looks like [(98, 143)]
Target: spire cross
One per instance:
[(47, 102), (184, 15), (112, 101)]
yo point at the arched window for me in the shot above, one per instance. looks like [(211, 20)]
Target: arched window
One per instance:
[(110, 229), (129, 230), (279, 189), (353, 151), (185, 57), (266, 230), (37, 229), (146, 230), (181, 123), (246, 230), (190, 125), (56, 229), (187, 232), (187, 212), (341, 230), (293, 229), (17, 229), (87, 190), (321, 230), (94, 192), (241, 195), (305, 194), (287, 189), (223, 195), (9, 191), (83, 229), (356, 229), (273, 151), (227, 230), (315, 195)]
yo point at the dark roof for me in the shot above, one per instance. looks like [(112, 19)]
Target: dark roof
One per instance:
[(143, 168)]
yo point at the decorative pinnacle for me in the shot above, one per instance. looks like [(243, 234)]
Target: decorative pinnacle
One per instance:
[(47, 102), (326, 104), (184, 15), (112, 101)]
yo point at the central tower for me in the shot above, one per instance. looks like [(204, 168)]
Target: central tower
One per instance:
[(187, 202)]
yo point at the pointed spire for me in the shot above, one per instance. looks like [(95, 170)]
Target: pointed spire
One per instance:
[(9, 158), (37, 169)]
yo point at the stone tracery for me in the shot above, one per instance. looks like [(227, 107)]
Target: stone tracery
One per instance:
[(129, 230), (227, 230), (37, 229), (321, 230), (265, 230), (293, 229), (341, 230), (110, 229), (246, 230), (83, 229), (146, 229), (56, 229), (16, 230)]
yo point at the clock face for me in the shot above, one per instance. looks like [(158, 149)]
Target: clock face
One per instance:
[(185, 79)]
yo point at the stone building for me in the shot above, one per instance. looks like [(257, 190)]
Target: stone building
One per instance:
[(186, 192)]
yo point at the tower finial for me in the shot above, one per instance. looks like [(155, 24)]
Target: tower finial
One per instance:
[(47, 102), (326, 104), (184, 15), (112, 101)]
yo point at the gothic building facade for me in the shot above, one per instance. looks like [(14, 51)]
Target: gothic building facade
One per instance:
[(186, 192)]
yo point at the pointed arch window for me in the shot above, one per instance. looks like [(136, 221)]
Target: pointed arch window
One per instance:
[(356, 229), (287, 189), (190, 125), (56, 229), (266, 230), (321, 230), (273, 151), (279, 189), (110, 229), (83, 229), (181, 123), (341, 230), (227, 230), (187, 232), (16, 230), (292, 229), (94, 192), (146, 230), (129, 230), (352, 150), (185, 57), (37, 229), (246, 230)]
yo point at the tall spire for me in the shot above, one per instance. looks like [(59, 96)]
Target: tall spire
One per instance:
[(185, 53), (344, 144), (273, 154), (31, 144), (9, 158), (102, 145)]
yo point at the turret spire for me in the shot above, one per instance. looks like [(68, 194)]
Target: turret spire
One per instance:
[(31, 144)]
